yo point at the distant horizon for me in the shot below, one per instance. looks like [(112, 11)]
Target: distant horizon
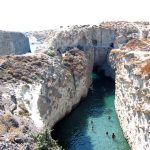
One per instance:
[(38, 15)]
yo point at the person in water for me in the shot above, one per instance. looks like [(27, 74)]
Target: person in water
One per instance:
[(113, 136), (109, 117), (106, 133), (92, 124)]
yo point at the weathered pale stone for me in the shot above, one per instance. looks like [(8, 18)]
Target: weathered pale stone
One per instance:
[(13, 43), (50, 88), (131, 100), (102, 38), (43, 89)]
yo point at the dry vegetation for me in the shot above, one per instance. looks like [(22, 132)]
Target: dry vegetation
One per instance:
[(15, 130), (135, 44), (25, 68), (146, 68), (115, 51), (74, 60)]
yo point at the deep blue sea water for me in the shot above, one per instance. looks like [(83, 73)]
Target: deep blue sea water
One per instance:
[(85, 128)]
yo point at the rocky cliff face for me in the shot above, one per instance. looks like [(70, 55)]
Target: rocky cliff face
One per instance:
[(40, 90), (13, 43), (133, 92), (102, 38), (83, 37)]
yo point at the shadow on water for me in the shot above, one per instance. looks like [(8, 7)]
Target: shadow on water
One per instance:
[(85, 127)]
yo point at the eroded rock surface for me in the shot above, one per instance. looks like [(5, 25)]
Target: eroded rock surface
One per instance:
[(102, 38), (40, 90), (132, 93), (13, 43)]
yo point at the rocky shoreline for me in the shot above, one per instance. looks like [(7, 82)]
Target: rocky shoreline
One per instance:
[(39, 89), (132, 93)]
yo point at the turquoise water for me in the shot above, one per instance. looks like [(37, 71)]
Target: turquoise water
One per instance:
[(85, 128)]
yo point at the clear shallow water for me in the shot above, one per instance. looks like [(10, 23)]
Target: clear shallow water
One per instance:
[(33, 47), (85, 128)]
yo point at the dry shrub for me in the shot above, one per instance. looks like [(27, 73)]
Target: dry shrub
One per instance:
[(14, 130), (136, 43), (3, 128), (146, 68), (115, 51)]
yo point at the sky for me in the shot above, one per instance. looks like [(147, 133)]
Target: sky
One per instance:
[(31, 15)]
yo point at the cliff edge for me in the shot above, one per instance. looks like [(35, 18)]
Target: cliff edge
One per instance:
[(132, 94), (13, 43), (37, 91)]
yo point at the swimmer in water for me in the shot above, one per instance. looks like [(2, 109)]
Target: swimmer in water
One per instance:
[(109, 117), (113, 136), (92, 124)]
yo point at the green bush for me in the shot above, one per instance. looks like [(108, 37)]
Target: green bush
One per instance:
[(51, 53), (44, 141)]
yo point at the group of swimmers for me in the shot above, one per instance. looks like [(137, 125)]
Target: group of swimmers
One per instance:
[(113, 134)]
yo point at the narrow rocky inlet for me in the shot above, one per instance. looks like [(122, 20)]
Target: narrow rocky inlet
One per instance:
[(86, 127), (39, 89)]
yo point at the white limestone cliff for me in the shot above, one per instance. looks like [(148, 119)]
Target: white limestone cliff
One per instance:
[(102, 38), (132, 94), (41, 89), (13, 43)]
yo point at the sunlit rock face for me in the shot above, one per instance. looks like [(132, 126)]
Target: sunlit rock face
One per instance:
[(40, 90), (132, 94), (13, 43), (37, 90), (102, 38)]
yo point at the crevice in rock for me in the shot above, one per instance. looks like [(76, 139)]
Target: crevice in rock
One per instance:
[(74, 80)]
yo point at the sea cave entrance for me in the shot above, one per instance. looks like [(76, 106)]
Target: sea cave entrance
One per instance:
[(91, 125)]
